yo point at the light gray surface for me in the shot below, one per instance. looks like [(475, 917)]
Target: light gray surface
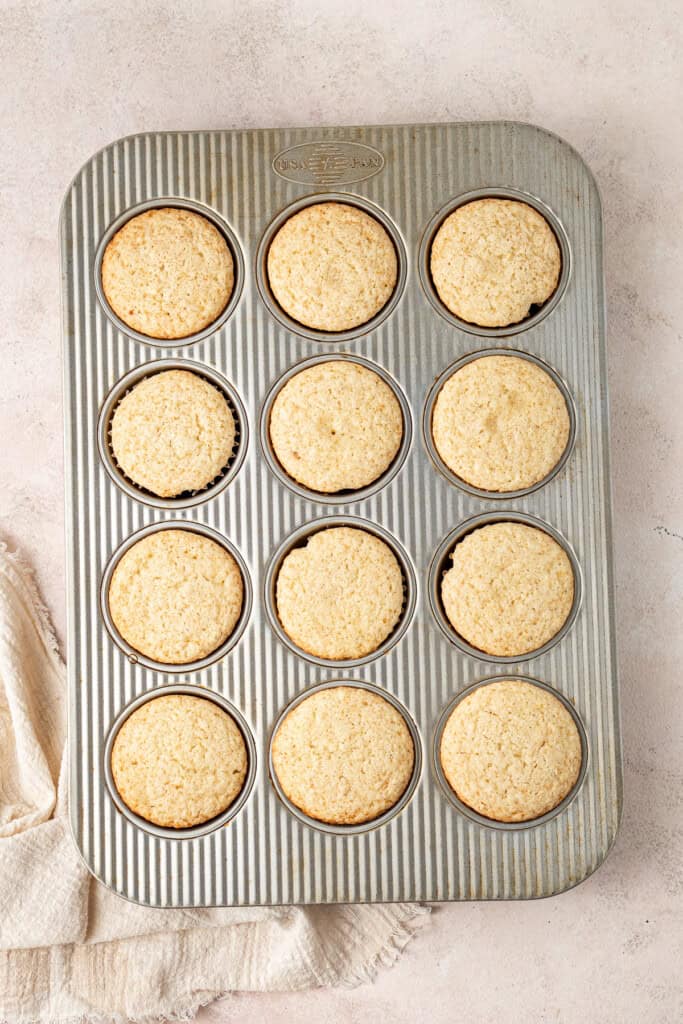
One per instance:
[(607, 78), (428, 849)]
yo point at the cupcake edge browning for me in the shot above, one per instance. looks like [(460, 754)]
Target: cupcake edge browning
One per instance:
[(332, 267), (176, 596), (511, 751), (335, 426), (173, 433), (343, 755), (510, 589), (492, 259), (178, 761), (341, 595), (168, 273)]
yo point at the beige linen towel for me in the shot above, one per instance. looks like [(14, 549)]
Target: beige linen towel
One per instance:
[(71, 950)]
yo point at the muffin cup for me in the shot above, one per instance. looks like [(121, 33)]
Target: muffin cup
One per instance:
[(441, 563), (469, 812), (228, 234), (346, 496), (299, 539), (392, 812), (195, 831), (428, 415), (188, 498), (494, 193), (271, 302), (134, 656)]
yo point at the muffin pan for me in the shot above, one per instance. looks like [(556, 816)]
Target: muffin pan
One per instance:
[(429, 846)]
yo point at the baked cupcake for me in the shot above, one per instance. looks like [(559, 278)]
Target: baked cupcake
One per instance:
[(343, 756), (500, 423), (510, 589), (332, 267), (494, 260), (176, 596), (168, 273), (341, 595), (511, 751), (173, 433), (179, 761), (335, 426)]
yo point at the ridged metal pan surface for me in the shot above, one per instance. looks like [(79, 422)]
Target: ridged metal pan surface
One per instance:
[(245, 181)]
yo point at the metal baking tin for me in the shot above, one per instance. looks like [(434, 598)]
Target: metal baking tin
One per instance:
[(429, 848)]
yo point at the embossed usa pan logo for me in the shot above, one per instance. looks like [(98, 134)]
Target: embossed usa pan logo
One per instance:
[(328, 163)]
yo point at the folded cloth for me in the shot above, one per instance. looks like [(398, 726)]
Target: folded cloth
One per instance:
[(73, 951)]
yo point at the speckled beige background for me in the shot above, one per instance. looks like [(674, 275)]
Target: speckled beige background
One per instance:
[(606, 76)]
